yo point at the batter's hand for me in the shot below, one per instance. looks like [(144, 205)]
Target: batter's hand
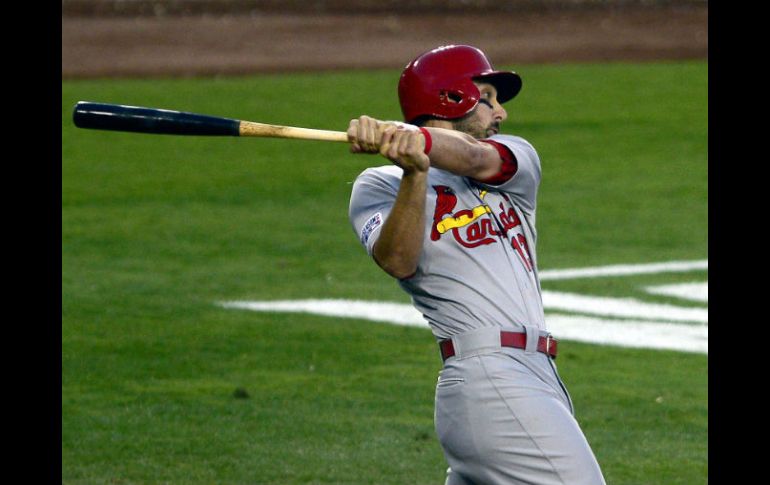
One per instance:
[(365, 133), (405, 148)]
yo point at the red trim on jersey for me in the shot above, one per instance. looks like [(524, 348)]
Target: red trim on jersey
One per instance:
[(508, 168)]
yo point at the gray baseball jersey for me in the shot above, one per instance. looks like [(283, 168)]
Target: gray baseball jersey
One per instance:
[(502, 415), (478, 264)]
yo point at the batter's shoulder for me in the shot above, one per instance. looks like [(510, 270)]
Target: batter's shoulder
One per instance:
[(391, 175), (522, 150), (514, 140), (386, 178), (388, 172)]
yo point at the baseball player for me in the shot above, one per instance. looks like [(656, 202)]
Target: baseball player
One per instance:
[(452, 218)]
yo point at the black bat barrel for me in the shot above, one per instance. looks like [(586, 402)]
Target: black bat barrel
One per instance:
[(116, 117)]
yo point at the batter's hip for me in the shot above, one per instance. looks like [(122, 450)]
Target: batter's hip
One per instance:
[(502, 416)]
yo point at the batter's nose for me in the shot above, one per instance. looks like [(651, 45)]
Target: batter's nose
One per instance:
[(501, 114)]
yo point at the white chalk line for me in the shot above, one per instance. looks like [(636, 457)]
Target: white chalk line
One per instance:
[(376, 311), (552, 300), (630, 333), (624, 333), (624, 270), (621, 307), (612, 321), (696, 291)]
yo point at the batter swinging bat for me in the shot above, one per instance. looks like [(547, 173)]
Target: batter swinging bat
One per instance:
[(117, 117)]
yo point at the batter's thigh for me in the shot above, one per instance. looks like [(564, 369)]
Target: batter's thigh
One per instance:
[(500, 424)]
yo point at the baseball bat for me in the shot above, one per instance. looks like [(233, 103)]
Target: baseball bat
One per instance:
[(118, 117)]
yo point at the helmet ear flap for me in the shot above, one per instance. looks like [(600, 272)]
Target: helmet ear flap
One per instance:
[(447, 97), (458, 101)]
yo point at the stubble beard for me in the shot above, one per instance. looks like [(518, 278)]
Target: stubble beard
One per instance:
[(471, 125)]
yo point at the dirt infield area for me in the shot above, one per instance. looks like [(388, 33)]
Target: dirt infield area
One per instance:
[(227, 44)]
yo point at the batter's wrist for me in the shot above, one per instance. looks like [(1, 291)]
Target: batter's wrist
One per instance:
[(416, 174), (428, 140)]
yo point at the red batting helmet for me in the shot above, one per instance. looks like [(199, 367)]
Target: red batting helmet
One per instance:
[(439, 82)]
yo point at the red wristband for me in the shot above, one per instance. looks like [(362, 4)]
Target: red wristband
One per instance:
[(428, 140)]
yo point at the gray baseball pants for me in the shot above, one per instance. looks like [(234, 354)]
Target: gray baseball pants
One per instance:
[(503, 416)]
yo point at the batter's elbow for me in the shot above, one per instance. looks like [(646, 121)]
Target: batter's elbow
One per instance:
[(396, 267)]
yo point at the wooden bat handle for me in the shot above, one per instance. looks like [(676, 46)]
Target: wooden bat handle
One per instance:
[(252, 128)]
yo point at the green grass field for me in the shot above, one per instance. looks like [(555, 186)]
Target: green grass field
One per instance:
[(157, 229)]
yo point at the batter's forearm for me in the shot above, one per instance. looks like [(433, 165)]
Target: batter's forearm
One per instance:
[(461, 154), (398, 249)]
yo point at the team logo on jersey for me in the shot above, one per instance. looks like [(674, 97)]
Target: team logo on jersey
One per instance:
[(470, 228), (446, 219)]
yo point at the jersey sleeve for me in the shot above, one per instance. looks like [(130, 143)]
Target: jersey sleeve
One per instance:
[(508, 168), (371, 200), (523, 185)]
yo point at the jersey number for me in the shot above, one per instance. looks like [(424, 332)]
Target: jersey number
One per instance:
[(520, 244)]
